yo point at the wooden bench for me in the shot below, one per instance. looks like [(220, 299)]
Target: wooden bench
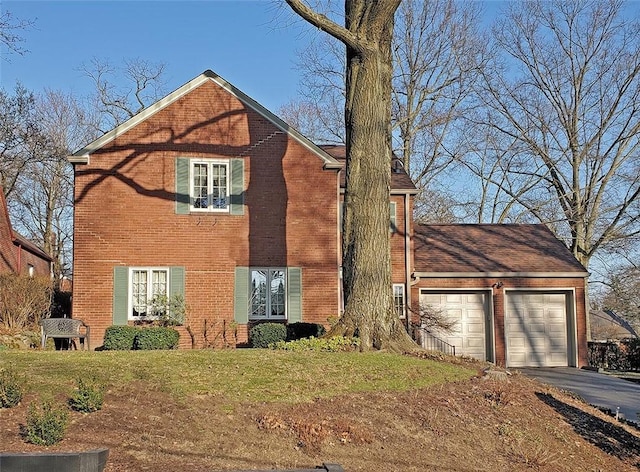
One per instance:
[(64, 328)]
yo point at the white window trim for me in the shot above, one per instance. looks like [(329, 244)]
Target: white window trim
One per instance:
[(404, 299), (209, 162), (268, 316), (130, 290)]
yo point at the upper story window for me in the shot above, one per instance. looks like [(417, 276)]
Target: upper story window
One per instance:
[(209, 185)]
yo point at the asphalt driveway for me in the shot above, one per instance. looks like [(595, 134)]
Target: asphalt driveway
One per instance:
[(597, 389)]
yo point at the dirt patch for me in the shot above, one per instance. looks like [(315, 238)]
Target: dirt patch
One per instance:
[(475, 425)]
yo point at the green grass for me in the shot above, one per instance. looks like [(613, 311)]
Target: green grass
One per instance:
[(238, 375)]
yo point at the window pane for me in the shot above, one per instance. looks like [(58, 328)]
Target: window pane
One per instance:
[(159, 281), (277, 293), (139, 292), (258, 293), (200, 186), (219, 185), (398, 299)]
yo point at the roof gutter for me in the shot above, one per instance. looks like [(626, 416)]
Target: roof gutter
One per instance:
[(450, 275)]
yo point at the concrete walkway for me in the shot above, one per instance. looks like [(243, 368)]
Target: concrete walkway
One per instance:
[(597, 389)]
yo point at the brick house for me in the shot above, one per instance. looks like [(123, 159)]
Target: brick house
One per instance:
[(209, 195), (18, 255)]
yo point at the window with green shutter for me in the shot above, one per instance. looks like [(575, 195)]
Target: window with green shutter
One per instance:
[(209, 185), (268, 293), (134, 290)]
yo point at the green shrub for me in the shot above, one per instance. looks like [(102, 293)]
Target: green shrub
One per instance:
[(264, 334), (10, 388), (304, 330), (120, 338), (156, 337), (334, 344), (89, 395), (46, 425)]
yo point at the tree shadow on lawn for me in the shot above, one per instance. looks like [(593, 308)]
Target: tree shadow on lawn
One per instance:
[(612, 439)]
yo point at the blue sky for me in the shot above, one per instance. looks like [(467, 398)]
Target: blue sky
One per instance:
[(252, 44)]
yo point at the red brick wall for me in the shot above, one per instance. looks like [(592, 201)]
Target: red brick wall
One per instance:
[(7, 249), (577, 284), (41, 266), (125, 213)]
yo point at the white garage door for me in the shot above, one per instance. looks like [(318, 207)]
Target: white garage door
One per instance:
[(536, 329), (468, 310)]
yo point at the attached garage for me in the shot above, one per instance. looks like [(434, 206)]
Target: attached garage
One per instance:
[(469, 310), (516, 292), (536, 331)]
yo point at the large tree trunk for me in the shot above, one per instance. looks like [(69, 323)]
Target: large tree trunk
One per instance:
[(366, 260)]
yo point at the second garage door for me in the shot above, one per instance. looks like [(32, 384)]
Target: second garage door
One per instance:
[(536, 329), (469, 310)]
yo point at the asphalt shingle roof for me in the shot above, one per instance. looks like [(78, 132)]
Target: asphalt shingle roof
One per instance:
[(491, 248)]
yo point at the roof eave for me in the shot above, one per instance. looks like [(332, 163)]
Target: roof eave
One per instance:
[(545, 275), (82, 155)]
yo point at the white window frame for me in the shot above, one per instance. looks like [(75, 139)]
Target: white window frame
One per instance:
[(268, 299), (399, 289), (210, 163), (150, 292)]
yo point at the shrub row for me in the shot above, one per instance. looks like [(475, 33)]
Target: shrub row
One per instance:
[(620, 355), (126, 338), (265, 334), (333, 344)]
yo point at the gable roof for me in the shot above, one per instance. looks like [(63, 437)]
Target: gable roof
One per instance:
[(82, 155), (400, 180), (10, 239), (492, 250), (607, 324)]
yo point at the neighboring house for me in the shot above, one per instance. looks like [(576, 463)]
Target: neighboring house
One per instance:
[(607, 325), (18, 255), (209, 195)]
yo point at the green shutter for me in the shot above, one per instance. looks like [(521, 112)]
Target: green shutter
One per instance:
[(182, 186), (392, 210), (294, 294), (176, 281), (241, 296), (120, 295), (237, 187)]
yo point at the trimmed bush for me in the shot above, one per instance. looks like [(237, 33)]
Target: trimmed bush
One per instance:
[(10, 388), (120, 338), (264, 334), (334, 344), (304, 330), (46, 425), (88, 396), (156, 337)]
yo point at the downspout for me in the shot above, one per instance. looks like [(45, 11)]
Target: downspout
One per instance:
[(407, 261), (19, 246)]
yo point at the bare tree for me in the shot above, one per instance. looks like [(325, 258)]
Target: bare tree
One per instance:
[(367, 35), (144, 85), (438, 54), (21, 139), (568, 112), (622, 293), (10, 28), (42, 206)]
